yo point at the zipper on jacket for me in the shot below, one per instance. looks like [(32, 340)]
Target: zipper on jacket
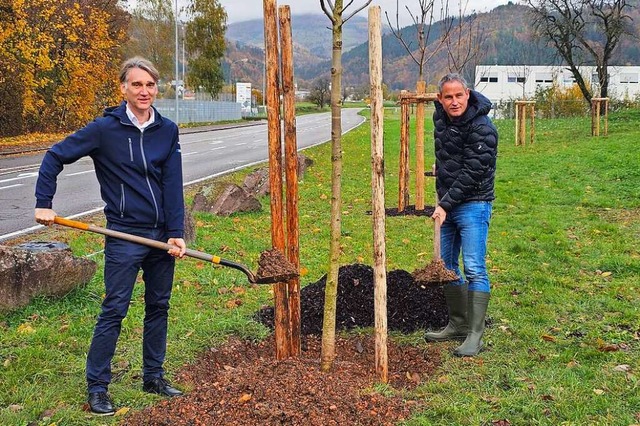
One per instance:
[(146, 176), (122, 199), (130, 150)]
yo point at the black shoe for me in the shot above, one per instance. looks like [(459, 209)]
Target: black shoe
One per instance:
[(101, 404), (160, 386)]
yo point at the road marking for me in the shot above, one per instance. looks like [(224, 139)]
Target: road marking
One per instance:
[(216, 142), (34, 228), (20, 176), (11, 186), (215, 149), (186, 154), (80, 173), (241, 143)]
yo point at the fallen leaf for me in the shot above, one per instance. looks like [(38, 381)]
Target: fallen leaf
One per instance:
[(14, 408), (304, 271), (606, 274), (548, 338), (244, 398), (622, 367), (598, 391), (547, 397), (122, 411), (609, 348), (26, 329)]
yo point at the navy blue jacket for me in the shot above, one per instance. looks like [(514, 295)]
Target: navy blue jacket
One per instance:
[(466, 151), (140, 172)]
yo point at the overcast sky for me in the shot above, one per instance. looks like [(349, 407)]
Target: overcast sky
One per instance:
[(243, 10)]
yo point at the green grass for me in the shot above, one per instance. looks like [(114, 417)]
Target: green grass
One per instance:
[(565, 268)]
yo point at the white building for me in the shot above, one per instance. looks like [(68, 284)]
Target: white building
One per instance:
[(509, 82)]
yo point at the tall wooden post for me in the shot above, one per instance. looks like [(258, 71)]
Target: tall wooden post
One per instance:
[(420, 88), (597, 104), (281, 320), (377, 186), (291, 175), (403, 171), (522, 107)]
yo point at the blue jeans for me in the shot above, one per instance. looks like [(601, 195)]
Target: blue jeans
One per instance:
[(123, 261), (466, 229)]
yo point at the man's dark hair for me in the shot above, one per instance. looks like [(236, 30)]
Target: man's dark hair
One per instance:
[(452, 76), (138, 62)]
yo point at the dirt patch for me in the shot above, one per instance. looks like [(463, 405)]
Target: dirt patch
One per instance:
[(242, 384), (409, 211)]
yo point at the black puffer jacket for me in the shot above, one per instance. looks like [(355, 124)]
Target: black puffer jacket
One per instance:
[(466, 152)]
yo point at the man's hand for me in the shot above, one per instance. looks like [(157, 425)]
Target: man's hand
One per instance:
[(439, 214), (180, 247), (45, 216)]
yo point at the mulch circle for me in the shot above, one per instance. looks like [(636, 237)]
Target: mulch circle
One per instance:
[(408, 211), (240, 383)]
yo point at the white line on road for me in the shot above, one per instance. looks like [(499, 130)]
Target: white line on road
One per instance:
[(33, 228), (80, 173), (240, 144), (11, 186), (215, 149), (186, 154), (216, 142), (20, 176)]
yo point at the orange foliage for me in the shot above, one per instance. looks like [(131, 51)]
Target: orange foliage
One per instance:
[(66, 57)]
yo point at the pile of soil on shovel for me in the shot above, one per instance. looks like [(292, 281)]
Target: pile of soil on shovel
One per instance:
[(434, 273), (411, 305), (242, 384), (274, 267)]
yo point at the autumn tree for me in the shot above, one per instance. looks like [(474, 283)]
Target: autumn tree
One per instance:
[(206, 44), (152, 27), (334, 11), (320, 92), (583, 32), (63, 58)]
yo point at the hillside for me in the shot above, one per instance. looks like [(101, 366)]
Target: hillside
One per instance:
[(506, 36)]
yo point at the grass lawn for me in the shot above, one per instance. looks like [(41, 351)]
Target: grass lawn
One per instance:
[(564, 341)]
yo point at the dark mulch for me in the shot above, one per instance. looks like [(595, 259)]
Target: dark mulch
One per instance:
[(408, 211), (411, 306), (241, 384)]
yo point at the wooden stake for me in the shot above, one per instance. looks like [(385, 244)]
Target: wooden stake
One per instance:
[(281, 320), (291, 175), (420, 88), (377, 185), (403, 172)]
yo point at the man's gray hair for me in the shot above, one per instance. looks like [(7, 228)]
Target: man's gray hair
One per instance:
[(452, 76), (138, 62)]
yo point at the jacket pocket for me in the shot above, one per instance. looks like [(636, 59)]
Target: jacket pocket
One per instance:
[(122, 200)]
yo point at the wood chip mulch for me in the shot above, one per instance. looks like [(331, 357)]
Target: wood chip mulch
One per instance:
[(242, 384)]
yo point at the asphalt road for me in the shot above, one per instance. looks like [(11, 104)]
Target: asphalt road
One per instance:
[(205, 154)]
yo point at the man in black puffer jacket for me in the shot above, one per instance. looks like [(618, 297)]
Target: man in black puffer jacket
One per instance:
[(466, 143)]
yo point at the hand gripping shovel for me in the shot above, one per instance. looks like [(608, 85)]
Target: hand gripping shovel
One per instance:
[(282, 272)]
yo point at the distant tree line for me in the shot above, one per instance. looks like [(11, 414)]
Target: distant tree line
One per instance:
[(59, 60)]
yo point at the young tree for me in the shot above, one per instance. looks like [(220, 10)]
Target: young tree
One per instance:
[(206, 45), (319, 94), (583, 32), (334, 11), (465, 41), (152, 26)]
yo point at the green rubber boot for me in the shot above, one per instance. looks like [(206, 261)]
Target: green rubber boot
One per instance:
[(456, 329), (477, 311)]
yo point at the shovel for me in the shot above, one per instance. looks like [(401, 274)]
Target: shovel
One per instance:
[(287, 273)]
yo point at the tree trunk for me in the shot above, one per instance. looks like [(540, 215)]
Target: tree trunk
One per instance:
[(331, 288)]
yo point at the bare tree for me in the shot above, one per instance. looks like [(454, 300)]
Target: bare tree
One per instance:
[(465, 40), (423, 25), (334, 11), (583, 32), (320, 92)]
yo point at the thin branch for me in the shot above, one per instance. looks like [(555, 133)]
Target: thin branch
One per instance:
[(367, 3)]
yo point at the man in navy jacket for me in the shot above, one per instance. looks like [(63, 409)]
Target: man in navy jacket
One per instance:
[(136, 154), (466, 146)]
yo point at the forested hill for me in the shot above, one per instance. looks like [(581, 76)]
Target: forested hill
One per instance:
[(506, 36)]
